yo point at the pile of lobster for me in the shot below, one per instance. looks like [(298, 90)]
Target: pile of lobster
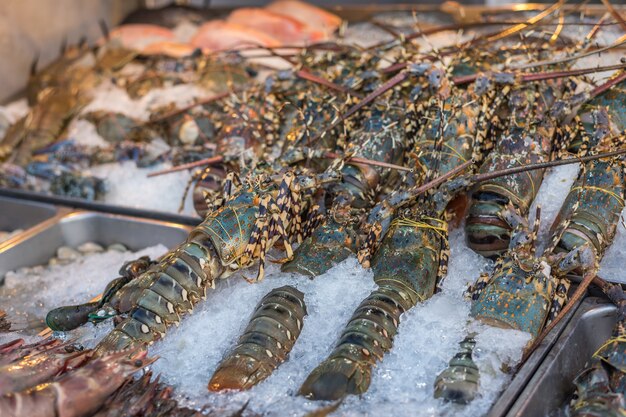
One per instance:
[(370, 153)]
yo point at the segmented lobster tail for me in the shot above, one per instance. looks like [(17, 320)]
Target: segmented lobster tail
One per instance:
[(459, 382), (419, 253), (70, 317), (591, 211), (269, 337), (158, 298)]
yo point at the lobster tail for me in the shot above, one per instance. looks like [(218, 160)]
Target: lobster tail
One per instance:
[(273, 330), (70, 317), (335, 378), (159, 296), (416, 248), (367, 337), (517, 296), (459, 382), (487, 234)]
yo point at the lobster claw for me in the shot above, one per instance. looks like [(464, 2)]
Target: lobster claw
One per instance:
[(70, 317)]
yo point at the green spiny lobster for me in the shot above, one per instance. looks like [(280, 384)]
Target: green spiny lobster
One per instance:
[(528, 139), (255, 215), (527, 292)]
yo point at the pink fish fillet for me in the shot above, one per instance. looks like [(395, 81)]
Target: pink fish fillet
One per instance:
[(313, 16), (218, 35), (282, 27), (139, 36), (168, 48)]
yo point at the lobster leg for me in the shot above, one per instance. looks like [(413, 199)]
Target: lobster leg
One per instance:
[(473, 290), (559, 300)]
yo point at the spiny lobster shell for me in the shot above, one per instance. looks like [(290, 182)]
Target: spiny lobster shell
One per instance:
[(517, 297)]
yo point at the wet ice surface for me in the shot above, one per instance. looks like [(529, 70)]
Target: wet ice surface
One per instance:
[(108, 97), (28, 295), (402, 384), (554, 189), (129, 185), (612, 265)]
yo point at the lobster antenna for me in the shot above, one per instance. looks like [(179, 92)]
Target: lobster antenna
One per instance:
[(470, 25), (329, 155), (618, 17), (542, 165), (201, 102), (516, 28), (33, 65), (541, 76), (618, 78), (618, 42), (104, 28), (306, 75)]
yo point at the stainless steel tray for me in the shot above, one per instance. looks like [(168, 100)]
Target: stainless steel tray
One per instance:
[(38, 244), (551, 385), (21, 214), (508, 400)]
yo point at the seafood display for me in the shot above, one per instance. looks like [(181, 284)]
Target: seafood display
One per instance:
[(374, 176)]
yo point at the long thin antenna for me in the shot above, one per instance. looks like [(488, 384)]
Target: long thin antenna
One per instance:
[(306, 75), (615, 13), (540, 76), (618, 42), (542, 165)]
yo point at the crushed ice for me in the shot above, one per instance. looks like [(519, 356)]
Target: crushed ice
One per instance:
[(29, 293)]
